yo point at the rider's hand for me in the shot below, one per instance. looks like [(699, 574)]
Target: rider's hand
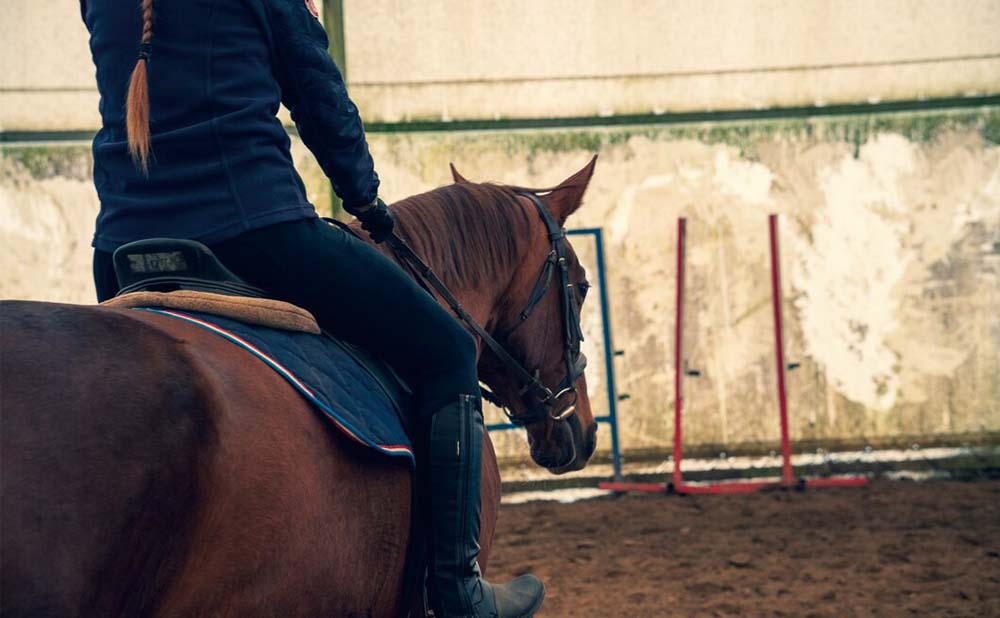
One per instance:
[(376, 219)]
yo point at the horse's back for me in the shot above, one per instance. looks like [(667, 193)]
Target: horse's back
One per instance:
[(151, 467)]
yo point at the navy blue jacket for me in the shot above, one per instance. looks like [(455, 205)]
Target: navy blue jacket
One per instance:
[(220, 163)]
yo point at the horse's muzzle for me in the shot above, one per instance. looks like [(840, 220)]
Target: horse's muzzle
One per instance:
[(568, 448)]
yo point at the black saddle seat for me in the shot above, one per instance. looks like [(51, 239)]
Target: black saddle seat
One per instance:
[(169, 264)]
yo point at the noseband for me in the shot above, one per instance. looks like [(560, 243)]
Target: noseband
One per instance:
[(543, 399)]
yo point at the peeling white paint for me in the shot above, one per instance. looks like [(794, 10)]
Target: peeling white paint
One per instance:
[(747, 180), (847, 275)]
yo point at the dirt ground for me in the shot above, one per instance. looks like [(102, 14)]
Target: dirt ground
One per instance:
[(890, 549)]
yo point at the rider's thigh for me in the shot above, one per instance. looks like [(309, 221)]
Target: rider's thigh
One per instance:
[(357, 294)]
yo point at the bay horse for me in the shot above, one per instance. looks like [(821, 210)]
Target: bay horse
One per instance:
[(149, 467)]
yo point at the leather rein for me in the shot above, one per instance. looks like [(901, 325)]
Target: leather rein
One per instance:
[(544, 398)]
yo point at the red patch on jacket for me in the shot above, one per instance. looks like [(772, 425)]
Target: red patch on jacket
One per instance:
[(312, 8)]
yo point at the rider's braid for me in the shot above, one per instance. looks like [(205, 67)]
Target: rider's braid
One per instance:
[(137, 103)]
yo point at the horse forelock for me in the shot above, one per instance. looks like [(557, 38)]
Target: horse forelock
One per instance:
[(470, 234)]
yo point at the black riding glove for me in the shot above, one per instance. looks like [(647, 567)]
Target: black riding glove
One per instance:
[(376, 219)]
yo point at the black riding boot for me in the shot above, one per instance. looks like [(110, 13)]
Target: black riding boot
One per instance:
[(455, 454)]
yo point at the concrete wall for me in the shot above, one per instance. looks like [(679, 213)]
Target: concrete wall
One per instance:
[(890, 222), (556, 58)]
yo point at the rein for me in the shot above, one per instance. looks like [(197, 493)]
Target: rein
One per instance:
[(575, 364)]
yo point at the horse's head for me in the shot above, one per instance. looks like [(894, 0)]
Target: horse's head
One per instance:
[(536, 319)]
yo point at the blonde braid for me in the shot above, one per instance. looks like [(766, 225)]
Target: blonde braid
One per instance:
[(137, 103)]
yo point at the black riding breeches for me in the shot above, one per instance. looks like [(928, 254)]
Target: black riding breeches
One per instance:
[(356, 294)]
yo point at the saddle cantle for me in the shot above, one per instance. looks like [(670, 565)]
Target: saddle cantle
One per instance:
[(169, 264), (185, 274)]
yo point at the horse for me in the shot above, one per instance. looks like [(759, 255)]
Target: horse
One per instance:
[(149, 468)]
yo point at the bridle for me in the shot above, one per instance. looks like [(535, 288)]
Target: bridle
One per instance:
[(542, 399), (574, 362)]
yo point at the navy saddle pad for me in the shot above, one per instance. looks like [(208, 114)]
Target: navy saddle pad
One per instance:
[(360, 398)]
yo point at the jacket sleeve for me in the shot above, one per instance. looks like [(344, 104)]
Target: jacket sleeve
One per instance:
[(313, 89)]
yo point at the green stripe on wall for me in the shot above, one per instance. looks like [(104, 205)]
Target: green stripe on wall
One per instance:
[(666, 119), (670, 118)]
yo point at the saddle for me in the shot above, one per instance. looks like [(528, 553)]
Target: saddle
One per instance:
[(185, 275)]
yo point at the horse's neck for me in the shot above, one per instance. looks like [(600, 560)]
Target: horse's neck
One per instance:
[(481, 303)]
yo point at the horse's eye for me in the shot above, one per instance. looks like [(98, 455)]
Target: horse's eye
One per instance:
[(584, 287)]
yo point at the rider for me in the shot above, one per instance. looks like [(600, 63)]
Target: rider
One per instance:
[(190, 147)]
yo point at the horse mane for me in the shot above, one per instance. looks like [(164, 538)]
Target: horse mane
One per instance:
[(468, 233)]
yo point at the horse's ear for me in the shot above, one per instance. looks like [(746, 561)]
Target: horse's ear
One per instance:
[(565, 199), (456, 176)]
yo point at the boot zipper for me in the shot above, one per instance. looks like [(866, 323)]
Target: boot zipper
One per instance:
[(464, 425)]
